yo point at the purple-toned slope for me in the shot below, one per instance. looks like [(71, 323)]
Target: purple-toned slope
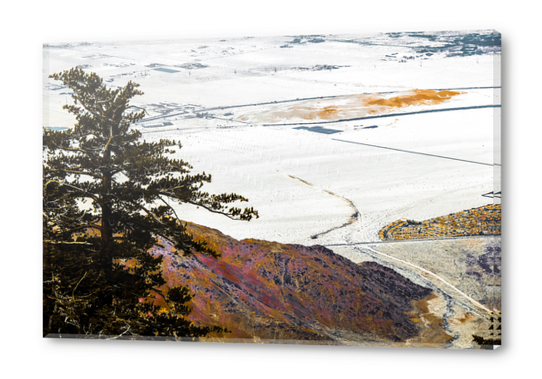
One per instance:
[(266, 290)]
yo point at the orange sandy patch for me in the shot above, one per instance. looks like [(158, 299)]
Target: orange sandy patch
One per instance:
[(327, 112), (415, 97), (430, 325), (464, 319), (351, 106)]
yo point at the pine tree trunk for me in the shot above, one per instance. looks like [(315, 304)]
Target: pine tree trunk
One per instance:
[(105, 229)]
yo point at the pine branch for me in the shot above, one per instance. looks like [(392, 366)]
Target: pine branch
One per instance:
[(66, 242), (130, 214)]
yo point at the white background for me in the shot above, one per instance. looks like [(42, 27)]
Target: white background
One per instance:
[(26, 26)]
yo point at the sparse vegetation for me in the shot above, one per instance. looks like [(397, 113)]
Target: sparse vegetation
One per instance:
[(484, 220)]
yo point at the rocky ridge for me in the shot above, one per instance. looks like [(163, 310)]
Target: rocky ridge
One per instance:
[(270, 292)]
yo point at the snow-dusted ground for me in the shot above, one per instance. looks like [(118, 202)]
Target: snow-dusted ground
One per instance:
[(217, 96), (282, 121)]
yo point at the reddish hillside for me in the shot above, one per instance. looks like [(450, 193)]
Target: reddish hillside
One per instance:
[(265, 290)]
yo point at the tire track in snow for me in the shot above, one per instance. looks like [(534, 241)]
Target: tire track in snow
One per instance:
[(353, 218)]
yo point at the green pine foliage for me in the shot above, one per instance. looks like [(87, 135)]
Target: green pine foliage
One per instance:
[(106, 196)]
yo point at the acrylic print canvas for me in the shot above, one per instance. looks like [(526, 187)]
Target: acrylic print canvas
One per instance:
[(308, 189)]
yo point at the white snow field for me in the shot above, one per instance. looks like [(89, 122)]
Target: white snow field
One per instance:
[(234, 106)]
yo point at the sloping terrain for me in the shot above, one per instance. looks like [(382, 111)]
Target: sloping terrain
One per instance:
[(484, 220), (267, 291)]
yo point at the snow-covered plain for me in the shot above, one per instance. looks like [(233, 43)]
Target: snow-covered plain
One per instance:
[(216, 97)]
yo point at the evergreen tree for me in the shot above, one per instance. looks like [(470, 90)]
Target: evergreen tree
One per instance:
[(105, 204)]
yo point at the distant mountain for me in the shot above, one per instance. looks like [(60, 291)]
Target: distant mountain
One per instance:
[(267, 291)]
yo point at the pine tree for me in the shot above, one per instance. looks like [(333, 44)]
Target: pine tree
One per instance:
[(106, 196)]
